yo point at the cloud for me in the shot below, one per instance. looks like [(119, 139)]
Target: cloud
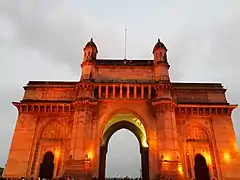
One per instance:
[(58, 30)]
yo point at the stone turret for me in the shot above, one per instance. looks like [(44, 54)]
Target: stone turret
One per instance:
[(160, 62), (88, 65)]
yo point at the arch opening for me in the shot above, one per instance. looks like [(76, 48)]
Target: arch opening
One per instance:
[(200, 168), (133, 124), (47, 166), (123, 157)]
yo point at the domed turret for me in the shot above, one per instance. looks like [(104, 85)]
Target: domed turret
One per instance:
[(159, 52), (90, 51), (89, 61), (91, 44), (160, 62), (159, 45)]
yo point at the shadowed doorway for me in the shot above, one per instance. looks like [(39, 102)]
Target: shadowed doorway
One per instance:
[(200, 168), (47, 166)]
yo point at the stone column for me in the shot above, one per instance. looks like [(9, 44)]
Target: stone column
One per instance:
[(145, 162), (102, 163), (120, 91), (128, 92), (106, 91), (81, 138), (153, 152), (114, 91), (149, 91), (135, 91), (100, 91), (142, 92), (169, 156)]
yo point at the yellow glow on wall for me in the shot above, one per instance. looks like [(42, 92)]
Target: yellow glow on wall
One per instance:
[(236, 147), (208, 158), (167, 157), (90, 154), (56, 153), (227, 157), (180, 169)]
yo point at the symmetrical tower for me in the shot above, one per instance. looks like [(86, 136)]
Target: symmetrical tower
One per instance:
[(88, 65), (161, 65), (165, 113)]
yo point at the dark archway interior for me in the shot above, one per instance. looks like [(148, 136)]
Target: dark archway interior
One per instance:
[(200, 168), (106, 137), (47, 166)]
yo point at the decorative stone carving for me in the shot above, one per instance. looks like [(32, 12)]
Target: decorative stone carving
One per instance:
[(43, 108), (60, 94), (206, 110), (85, 104), (164, 106), (188, 97), (56, 131)]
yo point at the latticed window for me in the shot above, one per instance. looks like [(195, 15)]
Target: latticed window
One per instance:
[(195, 133)]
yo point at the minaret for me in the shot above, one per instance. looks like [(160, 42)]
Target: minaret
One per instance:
[(161, 65), (89, 61)]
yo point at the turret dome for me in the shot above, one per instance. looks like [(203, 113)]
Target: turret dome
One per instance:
[(159, 45), (91, 44)]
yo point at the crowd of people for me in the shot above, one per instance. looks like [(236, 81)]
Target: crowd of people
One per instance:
[(71, 178)]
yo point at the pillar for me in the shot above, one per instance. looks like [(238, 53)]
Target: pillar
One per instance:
[(169, 156), (135, 91), (121, 91), (145, 162), (128, 92), (142, 92), (100, 92), (114, 91), (102, 163), (106, 91)]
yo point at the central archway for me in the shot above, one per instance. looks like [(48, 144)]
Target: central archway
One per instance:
[(133, 124)]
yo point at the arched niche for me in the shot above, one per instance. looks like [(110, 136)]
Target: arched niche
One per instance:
[(133, 124), (198, 143)]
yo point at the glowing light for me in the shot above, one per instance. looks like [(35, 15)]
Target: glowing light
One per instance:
[(56, 153), (167, 158), (235, 146), (132, 119), (180, 169), (208, 158), (227, 157), (90, 154)]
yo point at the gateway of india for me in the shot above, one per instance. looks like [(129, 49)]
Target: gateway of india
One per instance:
[(185, 130)]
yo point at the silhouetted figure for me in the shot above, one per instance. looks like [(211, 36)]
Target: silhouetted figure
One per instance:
[(201, 168), (47, 166)]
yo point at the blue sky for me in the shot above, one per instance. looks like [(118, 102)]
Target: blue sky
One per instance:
[(43, 40)]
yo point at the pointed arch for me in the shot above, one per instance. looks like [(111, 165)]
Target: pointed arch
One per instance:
[(122, 111), (199, 145)]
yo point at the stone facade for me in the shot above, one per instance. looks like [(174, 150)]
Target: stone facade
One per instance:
[(74, 121)]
